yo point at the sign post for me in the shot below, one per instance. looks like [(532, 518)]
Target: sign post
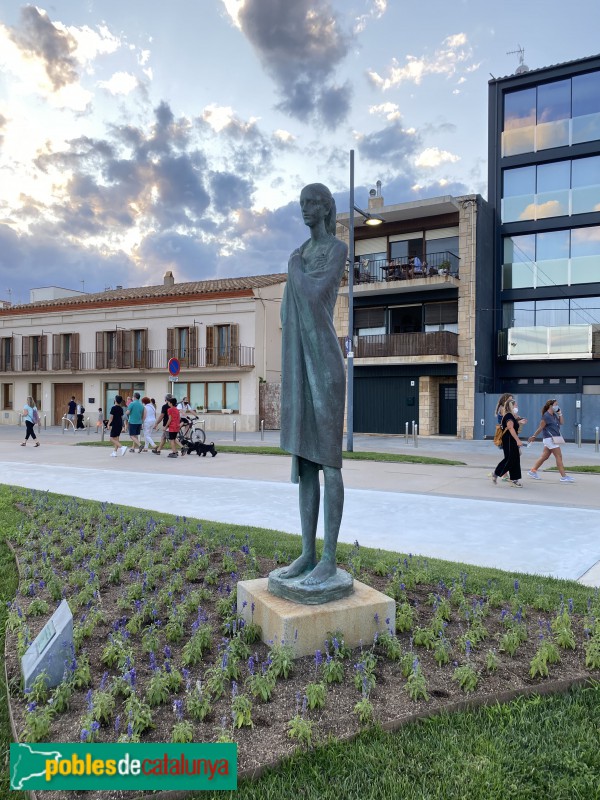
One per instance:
[(174, 369)]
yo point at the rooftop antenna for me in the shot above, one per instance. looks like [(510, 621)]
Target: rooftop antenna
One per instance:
[(522, 65)]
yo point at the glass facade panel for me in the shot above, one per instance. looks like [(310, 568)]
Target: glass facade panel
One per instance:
[(554, 101), (552, 273), (448, 244), (519, 109), (552, 134), (552, 245), (518, 315), (585, 311), (519, 181), (586, 94), (515, 209), (232, 395), (519, 140), (528, 342), (552, 204), (552, 312), (518, 276), (569, 339), (585, 129), (553, 177), (585, 269), (519, 248), (585, 200), (586, 172), (585, 241)]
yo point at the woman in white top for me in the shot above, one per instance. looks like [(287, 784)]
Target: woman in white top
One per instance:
[(148, 422), (30, 421)]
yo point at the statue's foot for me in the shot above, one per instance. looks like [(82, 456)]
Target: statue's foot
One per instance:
[(320, 574), (297, 567)]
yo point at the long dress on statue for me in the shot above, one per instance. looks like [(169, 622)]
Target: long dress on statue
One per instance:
[(312, 369)]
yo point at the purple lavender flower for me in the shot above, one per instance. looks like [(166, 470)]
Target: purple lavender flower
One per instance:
[(95, 726), (570, 602), (234, 689), (251, 667), (376, 618), (117, 724), (167, 651), (178, 709), (153, 664), (129, 729), (84, 735), (89, 700), (516, 585), (31, 707)]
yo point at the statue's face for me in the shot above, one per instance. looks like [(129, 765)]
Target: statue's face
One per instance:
[(312, 207)]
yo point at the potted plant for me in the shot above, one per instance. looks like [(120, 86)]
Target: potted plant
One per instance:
[(445, 267)]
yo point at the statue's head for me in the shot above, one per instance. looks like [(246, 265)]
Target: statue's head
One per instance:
[(320, 192)]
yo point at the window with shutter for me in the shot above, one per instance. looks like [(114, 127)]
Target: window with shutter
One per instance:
[(74, 351), (127, 349), (25, 352), (234, 344), (171, 343), (369, 318), (100, 351), (210, 346), (119, 350), (193, 346), (441, 313)]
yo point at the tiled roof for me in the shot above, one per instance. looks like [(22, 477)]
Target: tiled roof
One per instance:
[(177, 290)]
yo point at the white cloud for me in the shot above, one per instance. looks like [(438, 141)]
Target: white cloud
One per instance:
[(388, 110), (453, 56), (220, 117), (433, 157), (377, 10), (143, 57), (233, 8), (119, 83), (90, 43), (284, 136)]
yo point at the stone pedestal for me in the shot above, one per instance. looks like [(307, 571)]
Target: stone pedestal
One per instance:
[(280, 619)]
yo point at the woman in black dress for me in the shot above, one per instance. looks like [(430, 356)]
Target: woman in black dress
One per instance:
[(511, 446), (115, 423)]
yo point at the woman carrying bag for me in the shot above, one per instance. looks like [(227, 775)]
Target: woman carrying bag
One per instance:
[(550, 423), (511, 446)]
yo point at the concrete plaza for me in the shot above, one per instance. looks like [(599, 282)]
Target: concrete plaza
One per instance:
[(450, 512)]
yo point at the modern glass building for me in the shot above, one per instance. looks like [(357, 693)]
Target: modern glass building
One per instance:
[(544, 186)]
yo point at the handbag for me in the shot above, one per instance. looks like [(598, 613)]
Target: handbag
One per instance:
[(558, 440), (498, 436)]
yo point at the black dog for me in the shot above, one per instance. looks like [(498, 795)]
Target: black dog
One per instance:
[(201, 449)]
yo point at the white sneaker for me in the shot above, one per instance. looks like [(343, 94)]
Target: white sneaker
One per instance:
[(122, 450), (533, 474), (113, 454), (567, 479)]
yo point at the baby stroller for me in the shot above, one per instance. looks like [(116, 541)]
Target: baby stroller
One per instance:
[(192, 439)]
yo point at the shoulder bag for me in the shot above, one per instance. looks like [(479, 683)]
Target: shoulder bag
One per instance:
[(558, 439)]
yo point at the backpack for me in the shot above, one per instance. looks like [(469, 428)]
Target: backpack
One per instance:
[(35, 416), (81, 410)]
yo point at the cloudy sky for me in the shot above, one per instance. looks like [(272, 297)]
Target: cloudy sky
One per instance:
[(141, 136)]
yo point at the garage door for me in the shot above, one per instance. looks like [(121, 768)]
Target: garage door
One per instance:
[(384, 404)]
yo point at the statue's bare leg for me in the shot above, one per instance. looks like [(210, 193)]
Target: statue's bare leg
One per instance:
[(333, 509), (309, 498)]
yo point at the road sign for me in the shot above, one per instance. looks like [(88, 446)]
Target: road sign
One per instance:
[(173, 367)]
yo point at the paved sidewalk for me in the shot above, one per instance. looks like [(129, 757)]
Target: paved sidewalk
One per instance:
[(440, 511)]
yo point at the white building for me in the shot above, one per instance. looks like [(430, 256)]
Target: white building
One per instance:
[(226, 334)]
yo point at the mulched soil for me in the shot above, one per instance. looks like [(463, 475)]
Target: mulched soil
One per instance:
[(268, 740)]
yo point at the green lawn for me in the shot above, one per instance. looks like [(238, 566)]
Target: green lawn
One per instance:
[(531, 748), (398, 458), (591, 469)]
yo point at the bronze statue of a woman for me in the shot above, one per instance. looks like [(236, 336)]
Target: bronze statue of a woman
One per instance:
[(313, 383)]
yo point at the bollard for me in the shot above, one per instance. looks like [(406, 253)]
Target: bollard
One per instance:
[(406, 433), (412, 430), (579, 434), (62, 424), (234, 430), (463, 433), (20, 420), (102, 433), (262, 430), (44, 421), (597, 442), (88, 425), (416, 436)]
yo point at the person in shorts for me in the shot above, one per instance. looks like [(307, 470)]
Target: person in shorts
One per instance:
[(71, 411), (135, 413), (115, 423), (174, 423), (549, 427)]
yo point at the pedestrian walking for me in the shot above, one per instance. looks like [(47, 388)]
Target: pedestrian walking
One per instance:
[(71, 410), (135, 416), (549, 427), (31, 416), (100, 422), (148, 423), (511, 446), (173, 428), (80, 413), (115, 423), (162, 419)]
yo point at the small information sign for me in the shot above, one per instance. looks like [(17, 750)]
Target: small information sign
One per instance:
[(44, 637)]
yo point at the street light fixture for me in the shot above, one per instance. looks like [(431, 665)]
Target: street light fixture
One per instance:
[(370, 219)]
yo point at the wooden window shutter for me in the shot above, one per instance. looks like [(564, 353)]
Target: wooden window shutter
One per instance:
[(75, 351), (44, 351), (100, 354), (193, 346), (210, 346), (25, 352), (144, 354), (119, 353), (127, 354), (170, 343), (234, 344), (56, 354)]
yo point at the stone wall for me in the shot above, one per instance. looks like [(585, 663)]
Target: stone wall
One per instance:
[(269, 402), (466, 317)]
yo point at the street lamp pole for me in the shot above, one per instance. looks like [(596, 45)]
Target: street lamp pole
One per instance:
[(350, 341)]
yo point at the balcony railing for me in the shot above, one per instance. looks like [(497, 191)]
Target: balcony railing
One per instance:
[(202, 358), (403, 269), (559, 342), (402, 345)]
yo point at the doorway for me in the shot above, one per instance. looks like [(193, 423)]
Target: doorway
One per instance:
[(62, 394), (448, 409)]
